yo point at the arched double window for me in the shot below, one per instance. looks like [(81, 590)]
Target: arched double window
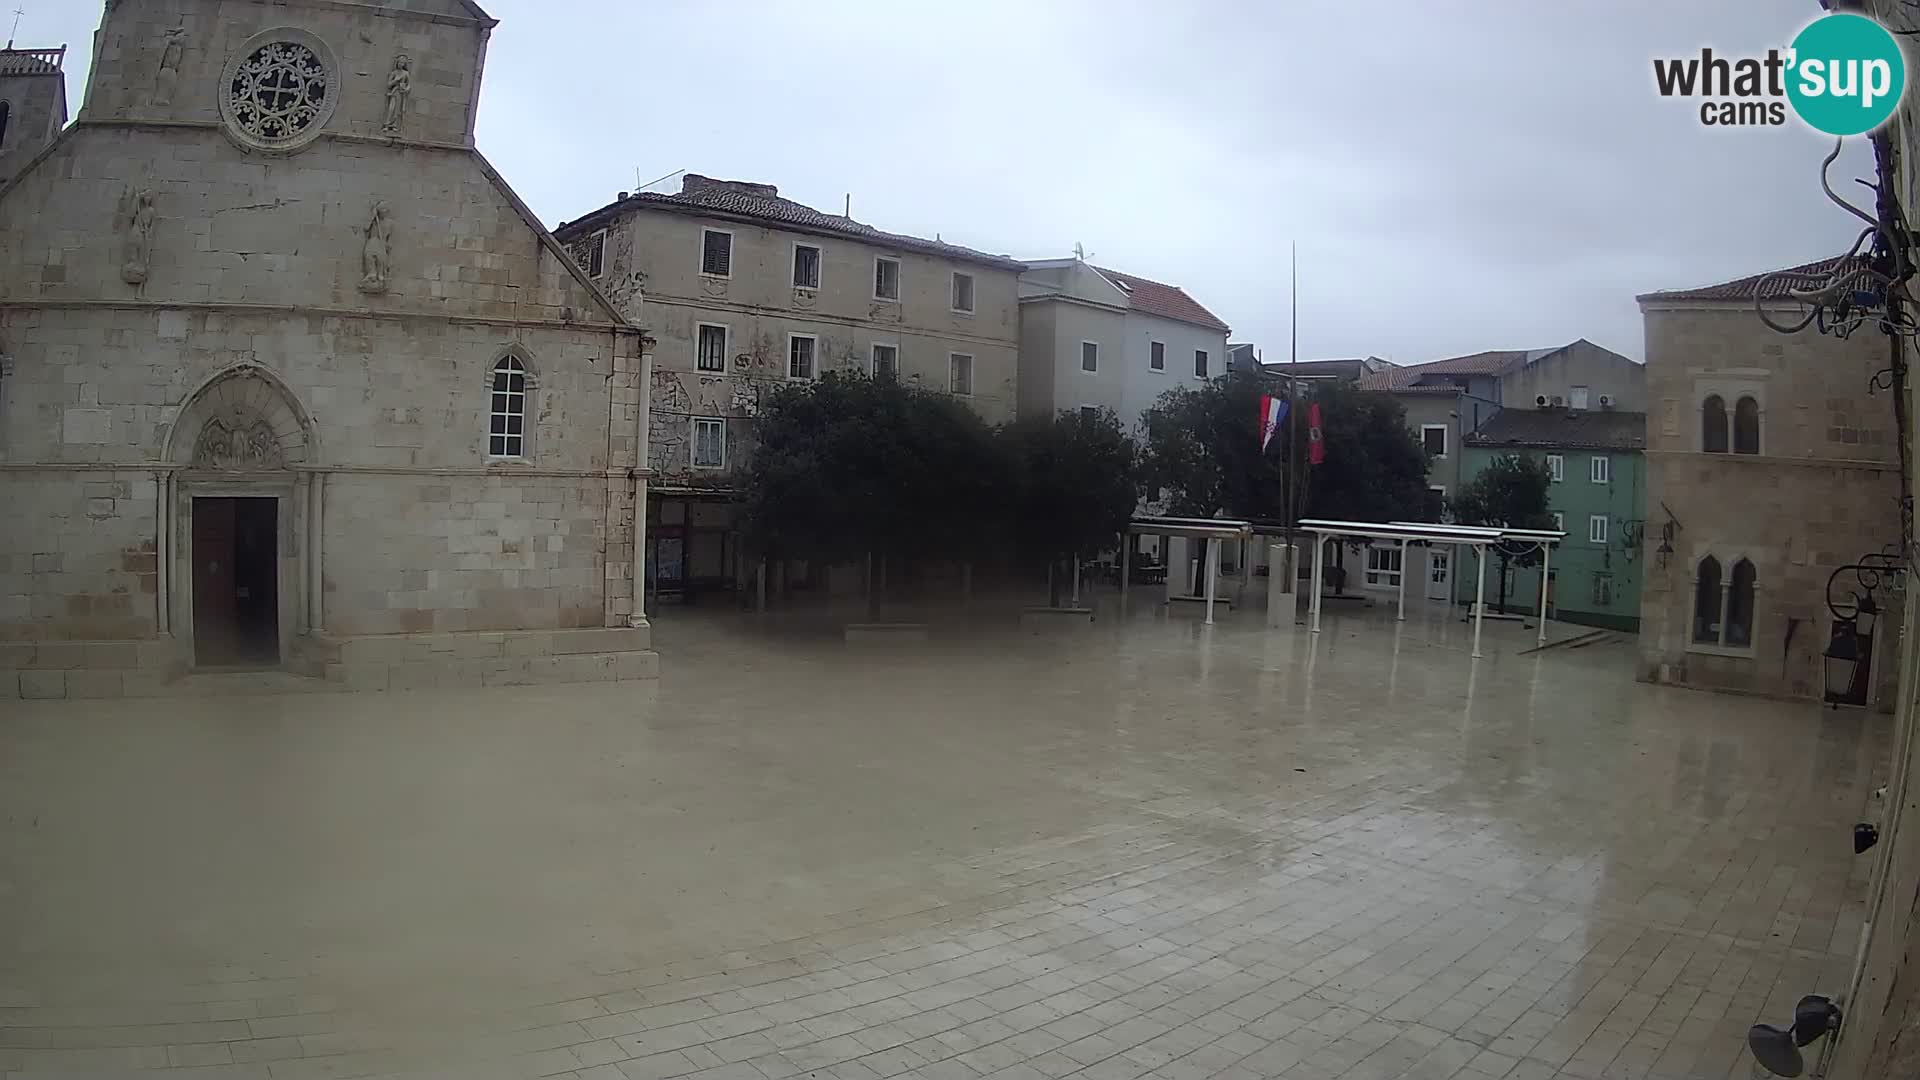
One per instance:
[(1723, 606), (1713, 428), (507, 425), (1738, 431)]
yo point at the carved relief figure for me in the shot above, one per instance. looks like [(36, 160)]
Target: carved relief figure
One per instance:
[(136, 221), (376, 257), (236, 441), (168, 75), (399, 84)]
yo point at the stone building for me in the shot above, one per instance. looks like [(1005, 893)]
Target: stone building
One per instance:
[(1770, 463), (293, 379), (33, 104), (746, 291)]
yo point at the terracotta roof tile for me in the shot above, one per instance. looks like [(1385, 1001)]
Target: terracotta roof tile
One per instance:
[(1166, 301), (1410, 379), (762, 202), (31, 61), (1747, 289)]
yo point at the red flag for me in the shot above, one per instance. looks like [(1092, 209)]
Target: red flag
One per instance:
[(1316, 441)]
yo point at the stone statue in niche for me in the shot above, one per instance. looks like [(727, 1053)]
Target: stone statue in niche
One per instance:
[(164, 80), (399, 84), (376, 257), (136, 223), (236, 441)]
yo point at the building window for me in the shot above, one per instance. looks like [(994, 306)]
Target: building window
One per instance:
[(960, 373), (280, 95), (709, 443), (1706, 602), (1559, 521), (1603, 590), (1383, 566), (1740, 605), (1156, 356), (1556, 467), (4, 110), (1579, 398), (1723, 616), (886, 362), (806, 266), (1089, 356), (1089, 412), (1713, 425), (716, 253), (507, 428), (1600, 471), (1746, 426), (1596, 528), (1434, 438), (963, 292), (1200, 363), (886, 278), (800, 356), (591, 253), (710, 351)]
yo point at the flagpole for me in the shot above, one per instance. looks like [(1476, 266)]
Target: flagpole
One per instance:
[(1293, 402)]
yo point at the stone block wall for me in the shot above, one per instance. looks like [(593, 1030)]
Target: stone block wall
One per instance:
[(77, 554), (417, 554)]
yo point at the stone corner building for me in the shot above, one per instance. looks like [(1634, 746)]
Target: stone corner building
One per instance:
[(1770, 465), (292, 378)]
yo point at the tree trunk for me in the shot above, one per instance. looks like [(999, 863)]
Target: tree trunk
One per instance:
[(1053, 583), (1501, 607)]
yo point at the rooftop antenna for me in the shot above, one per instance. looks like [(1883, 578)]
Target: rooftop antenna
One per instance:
[(11, 34), (1079, 252), (639, 187), (848, 212)]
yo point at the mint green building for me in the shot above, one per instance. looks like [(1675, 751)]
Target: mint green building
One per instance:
[(1598, 495)]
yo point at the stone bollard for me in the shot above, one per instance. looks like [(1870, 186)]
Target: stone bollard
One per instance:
[(1282, 583)]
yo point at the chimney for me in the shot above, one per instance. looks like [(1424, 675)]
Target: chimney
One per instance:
[(622, 198), (695, 184)]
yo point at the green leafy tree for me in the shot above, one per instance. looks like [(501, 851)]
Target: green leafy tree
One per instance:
[(849, 466), (1203, 451), (1074, 486), (1511, 492)]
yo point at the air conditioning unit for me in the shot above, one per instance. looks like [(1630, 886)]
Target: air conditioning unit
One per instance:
[(1540, 401), (1558, 401), (1606, 401)]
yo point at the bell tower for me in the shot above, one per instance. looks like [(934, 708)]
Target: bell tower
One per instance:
[(33, 104)]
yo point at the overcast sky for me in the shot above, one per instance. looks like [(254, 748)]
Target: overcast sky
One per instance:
[(1458, 175)]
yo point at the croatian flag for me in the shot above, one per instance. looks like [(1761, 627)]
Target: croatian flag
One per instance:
[(1273, 410)]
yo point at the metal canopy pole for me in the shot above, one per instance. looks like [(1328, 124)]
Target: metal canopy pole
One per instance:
[(1126, 563), (1319, 563), (1403, 581), (1212, 572), (1546, 566), (1479, 597)]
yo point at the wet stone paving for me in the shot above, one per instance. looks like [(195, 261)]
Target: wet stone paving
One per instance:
[(1140, 848)]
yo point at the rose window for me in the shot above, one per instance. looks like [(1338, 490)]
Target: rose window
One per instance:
[(278, 92)]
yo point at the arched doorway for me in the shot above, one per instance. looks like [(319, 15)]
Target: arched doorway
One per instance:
[(236, 503)]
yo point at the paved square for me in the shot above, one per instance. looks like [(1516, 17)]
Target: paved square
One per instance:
[(1140, 848)]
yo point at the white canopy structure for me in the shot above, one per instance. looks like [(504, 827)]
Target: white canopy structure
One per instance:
[(1474, 536), (1193, 529)]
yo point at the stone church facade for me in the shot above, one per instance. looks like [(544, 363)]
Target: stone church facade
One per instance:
[(293, 379)]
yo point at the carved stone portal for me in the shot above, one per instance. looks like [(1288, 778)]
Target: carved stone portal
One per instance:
[(235, 442)]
